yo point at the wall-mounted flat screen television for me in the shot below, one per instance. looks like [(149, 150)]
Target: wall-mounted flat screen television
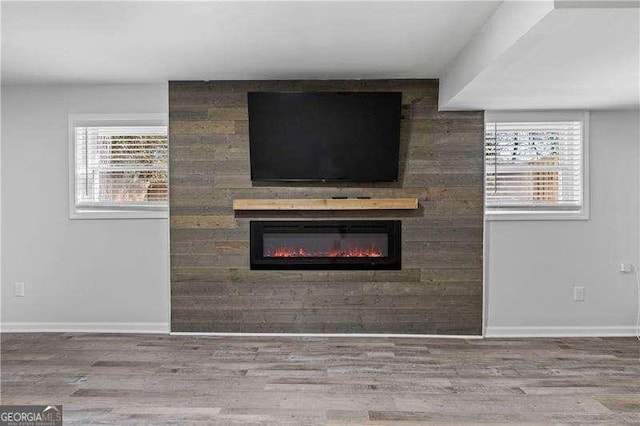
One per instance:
[(324, 136)]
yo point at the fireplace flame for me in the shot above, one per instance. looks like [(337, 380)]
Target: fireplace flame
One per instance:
[(301, 252)]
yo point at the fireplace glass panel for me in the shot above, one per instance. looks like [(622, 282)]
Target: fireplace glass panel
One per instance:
[(325, 245)]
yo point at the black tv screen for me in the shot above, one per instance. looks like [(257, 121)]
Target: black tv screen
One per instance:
[(324, 136)]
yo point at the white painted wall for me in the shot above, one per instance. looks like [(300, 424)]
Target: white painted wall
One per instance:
[(78, 274), (534, 265)]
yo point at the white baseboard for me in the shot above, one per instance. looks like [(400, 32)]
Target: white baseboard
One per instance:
[(163, 328), (84, 327), (419, 336), (583, 331)]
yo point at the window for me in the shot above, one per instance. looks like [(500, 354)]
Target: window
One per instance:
[(119, 166), (535, 166)]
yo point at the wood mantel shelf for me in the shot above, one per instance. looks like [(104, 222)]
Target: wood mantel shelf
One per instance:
[(327, 204)]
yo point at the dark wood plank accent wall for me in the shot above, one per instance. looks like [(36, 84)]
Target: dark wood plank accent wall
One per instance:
[(438, 290)]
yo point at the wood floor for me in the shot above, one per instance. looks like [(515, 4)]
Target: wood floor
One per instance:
[(155, 379)]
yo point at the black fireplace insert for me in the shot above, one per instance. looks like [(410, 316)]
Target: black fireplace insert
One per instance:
[(344, 244)]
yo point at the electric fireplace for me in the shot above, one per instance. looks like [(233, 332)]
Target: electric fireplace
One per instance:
[(345, 244)]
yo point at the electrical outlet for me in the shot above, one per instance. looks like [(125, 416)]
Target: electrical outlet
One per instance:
[(578, 294), (19, 289), (626, 267)]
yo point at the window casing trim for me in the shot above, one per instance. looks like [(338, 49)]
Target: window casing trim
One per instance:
[(102, 212), (539, 213)]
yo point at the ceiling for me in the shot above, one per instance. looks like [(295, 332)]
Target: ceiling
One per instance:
[(571, 59), (145, 42), (492, 55)]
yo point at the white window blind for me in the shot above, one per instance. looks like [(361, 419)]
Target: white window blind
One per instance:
[(121, 168), (534, 166)]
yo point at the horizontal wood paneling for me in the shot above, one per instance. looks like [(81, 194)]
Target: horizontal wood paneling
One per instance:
[(439, 289)]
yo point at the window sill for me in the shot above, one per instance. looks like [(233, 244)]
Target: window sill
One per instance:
[(118, 214), (542, 215)]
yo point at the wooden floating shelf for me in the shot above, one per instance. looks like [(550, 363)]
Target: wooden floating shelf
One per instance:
[(327, 204)]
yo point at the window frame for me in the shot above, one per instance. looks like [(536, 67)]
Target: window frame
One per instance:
[(105, 120), (497, 214)]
